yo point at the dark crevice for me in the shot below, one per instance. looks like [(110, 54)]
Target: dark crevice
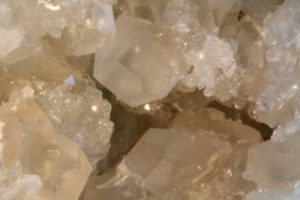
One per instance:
[(235, 114), (241, 15), (130, 124), (128, 128)]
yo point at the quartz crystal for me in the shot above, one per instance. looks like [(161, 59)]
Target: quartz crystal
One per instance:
[(166, 172), (274, 166), (66, 96), (37, 161), (215, 60), (70, 22), (143, 67), (203, 156), (278, 102), (91, 132)]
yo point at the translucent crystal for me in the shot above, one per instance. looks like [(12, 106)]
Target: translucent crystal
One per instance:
[(103, 18), (151, 10), (7, 45), (79, 26), (279, 99), (25, 187), (90, 25), (144, 63), (247, 38), (218, 8), (72, 103), (274, 166), (166, 172), (37, 162), (164, 65), (258, 10), (211, 119), (211, 64), (185, 162), (83, 117)]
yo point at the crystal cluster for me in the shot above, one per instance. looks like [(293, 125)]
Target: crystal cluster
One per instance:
[(37, 161), (202, 159), (55, 124), (79, 26), (149, 99)]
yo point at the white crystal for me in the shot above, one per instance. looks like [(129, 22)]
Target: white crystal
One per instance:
[(210, 63), (279, 99), (25, 187), (103, 18), (70, 81), (66, 99), (83, 117)]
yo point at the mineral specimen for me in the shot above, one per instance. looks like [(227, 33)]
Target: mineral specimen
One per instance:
[(80, 26), (82, 81), (166, 173), (37, 162), (178, 164), (143, 67), (279, 100), (66, 96), (215, 60), (274, 166)]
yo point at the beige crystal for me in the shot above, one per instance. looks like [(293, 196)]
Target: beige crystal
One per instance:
[(203, 156), (141, 64), (37, 162), (163, 165)]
